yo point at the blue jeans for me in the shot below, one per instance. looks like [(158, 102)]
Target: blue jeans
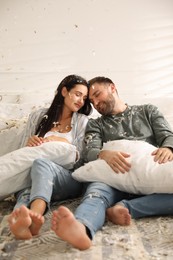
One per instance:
[(92, 210), (150, 205), (50, 182), (98, 197)]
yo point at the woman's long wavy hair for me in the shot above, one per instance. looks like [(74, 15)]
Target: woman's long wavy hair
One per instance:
[(55, 110)]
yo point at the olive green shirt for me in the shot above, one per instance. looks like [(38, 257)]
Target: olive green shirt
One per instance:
[(143, 122)]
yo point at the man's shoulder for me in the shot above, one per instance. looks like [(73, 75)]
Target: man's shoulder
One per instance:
[(146, 107), (96, 120)]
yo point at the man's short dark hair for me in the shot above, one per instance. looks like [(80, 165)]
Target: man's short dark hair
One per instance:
[(100, 80)]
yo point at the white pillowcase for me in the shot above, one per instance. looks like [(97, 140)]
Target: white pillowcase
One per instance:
[(144, 177), (15, 166)]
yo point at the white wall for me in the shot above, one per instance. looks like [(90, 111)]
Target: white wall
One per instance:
[(42, 41)]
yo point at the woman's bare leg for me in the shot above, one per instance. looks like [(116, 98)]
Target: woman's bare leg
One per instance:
[(37, 209), (25, 223), (19, 223)]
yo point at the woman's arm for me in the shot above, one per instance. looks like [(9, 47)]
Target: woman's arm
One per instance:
[(32, 123)]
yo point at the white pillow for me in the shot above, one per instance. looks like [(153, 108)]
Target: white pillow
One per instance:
[(144, 177), (15, 166)]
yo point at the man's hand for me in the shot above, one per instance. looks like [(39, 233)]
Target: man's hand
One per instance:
[(162, 155), (116, 160)]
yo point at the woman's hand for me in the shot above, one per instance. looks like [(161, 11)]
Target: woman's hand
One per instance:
[(163, 155), (35, 141), (55, 138), (116, 160)]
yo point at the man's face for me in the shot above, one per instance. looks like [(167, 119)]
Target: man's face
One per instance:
[(100, 95)]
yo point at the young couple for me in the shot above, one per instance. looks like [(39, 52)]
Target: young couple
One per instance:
[(66, 118)]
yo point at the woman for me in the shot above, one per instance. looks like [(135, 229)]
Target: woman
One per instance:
[(64, 121)]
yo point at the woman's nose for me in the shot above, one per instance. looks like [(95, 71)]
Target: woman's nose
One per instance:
[(81, 100)]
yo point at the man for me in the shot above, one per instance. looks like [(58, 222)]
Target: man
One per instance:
[(118, 121)]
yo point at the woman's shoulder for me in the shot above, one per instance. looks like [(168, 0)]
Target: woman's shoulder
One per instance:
[(39, 112), (80, 116), (79, 120)]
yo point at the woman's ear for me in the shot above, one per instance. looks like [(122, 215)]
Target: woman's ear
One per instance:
[(64, 91)]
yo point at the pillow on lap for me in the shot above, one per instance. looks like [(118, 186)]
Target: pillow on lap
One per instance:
[(144, 177), (15, 166)]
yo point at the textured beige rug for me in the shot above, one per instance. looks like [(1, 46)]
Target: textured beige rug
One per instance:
[(150, 238)]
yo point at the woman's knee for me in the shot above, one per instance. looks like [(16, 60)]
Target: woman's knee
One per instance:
[(40, 162), (39, 167)]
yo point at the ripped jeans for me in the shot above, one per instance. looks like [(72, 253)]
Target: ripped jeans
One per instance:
[(92, 210), (50, 182)]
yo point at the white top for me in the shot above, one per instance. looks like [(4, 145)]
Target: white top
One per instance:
[(78, 124), (67, 135)]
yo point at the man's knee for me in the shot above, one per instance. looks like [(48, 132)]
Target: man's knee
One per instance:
[(99, 191), (99, 188)]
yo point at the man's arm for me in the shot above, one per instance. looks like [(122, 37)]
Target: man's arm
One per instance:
[(161, 129), (163, 135), (93, 140), (93, 149)]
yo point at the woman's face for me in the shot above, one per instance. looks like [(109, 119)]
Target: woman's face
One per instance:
[(75, 98)]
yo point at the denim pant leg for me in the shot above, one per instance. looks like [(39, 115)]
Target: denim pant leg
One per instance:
[(92, 210), (52, 182), (23, 198), (150, 205)]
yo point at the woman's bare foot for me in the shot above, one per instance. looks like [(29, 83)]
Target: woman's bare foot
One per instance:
[(37, 222), (25, 223), (119, 215), (65, 225), (19, 222)]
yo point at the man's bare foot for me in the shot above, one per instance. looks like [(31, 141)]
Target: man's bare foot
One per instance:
[(69, 229), (19, 222), (119, 215), (37, 222)]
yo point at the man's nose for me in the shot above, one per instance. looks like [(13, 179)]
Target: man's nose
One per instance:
[(95, 102)]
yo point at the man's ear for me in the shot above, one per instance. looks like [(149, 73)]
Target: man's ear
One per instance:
[(64, 91), (113, 88)]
